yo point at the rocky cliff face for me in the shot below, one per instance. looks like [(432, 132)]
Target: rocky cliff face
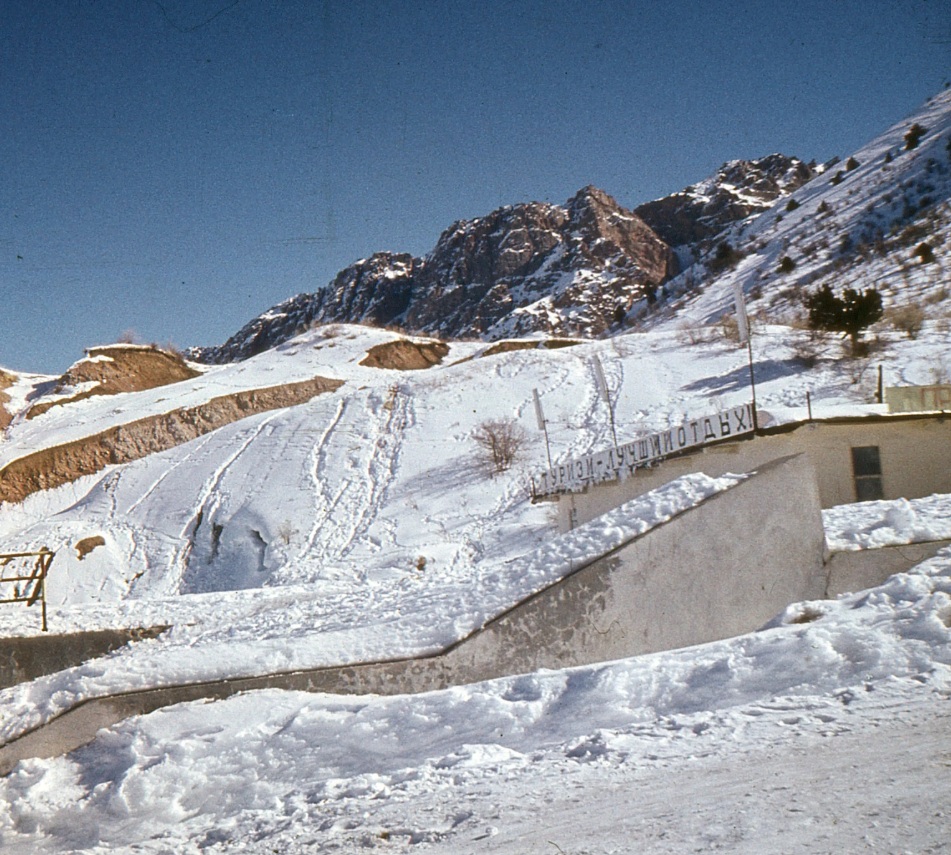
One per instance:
[(739, 189), (562, 270)]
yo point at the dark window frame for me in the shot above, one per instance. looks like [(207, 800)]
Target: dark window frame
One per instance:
[(867, 473)]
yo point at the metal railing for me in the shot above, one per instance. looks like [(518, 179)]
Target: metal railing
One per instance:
[(23, 580)]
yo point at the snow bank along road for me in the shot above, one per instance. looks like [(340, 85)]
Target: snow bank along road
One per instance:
[(827, 732)]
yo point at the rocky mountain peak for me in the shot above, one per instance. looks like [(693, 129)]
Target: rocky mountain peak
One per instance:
[(739, 189), (533, 267)]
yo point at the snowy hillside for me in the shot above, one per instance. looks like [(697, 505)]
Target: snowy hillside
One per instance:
[(880, 218), (365, 482)]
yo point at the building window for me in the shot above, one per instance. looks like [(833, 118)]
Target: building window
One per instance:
[(867, 469)]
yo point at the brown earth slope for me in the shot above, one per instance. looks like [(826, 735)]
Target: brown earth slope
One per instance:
[(61, 464), (406, 355)]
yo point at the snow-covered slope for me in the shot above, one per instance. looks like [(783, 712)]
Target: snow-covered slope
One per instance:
[(825, 733), (863, 223), (371, 480)]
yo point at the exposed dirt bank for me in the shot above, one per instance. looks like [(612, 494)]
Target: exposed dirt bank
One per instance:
[(406, 355), (528, 344), (115, 368), (6, 380), (61, 464)]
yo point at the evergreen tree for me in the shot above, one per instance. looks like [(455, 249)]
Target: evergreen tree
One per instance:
[(849, 314), (914, 135)]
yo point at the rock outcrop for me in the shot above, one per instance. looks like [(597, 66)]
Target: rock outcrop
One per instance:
[(406, 355), (559, 269), (739, 189)]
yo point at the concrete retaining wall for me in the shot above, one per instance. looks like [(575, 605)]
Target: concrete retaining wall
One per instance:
[(866, 568), (722, 568), (23, 659)]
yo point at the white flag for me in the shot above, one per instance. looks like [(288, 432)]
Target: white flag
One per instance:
[(742, 321), (538, 410)]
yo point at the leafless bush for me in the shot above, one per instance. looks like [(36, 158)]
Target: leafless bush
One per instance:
[(807, 350), (730, 327), (939, 296), (689, 334), (501, 442), (286, 532), (908, 319), (940, 374)]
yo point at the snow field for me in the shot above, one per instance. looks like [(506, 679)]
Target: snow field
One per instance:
[(497, 765)]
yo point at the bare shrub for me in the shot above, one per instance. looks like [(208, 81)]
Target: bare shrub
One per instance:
[(940, 375), (808, 350), (501, 442), (286, 532), (908, 319), (688, 333), (939, 296), (729, 328)]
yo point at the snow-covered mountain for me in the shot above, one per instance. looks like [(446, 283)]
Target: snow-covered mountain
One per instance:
[(863, 227), (879, 218), (536, 267), (530, 268), (777, 224)]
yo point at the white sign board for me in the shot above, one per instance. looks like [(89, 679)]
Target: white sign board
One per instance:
[(918, 399), (614, 464)]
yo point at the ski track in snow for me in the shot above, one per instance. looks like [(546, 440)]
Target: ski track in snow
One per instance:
[(360, 452), (200, 509), (183, 460)]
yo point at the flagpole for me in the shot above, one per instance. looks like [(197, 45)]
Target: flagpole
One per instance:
[(749, 350), (743, 327), (543, 424)]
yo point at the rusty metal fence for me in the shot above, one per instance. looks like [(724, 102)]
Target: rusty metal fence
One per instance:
[(23, 578)]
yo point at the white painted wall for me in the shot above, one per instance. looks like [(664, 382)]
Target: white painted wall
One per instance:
[(915, 456)]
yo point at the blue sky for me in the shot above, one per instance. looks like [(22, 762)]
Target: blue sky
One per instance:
[(174, 168)]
